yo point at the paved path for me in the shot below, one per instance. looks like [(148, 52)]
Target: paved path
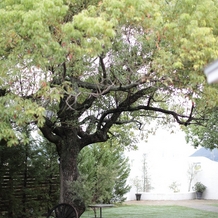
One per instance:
[(207, 205)]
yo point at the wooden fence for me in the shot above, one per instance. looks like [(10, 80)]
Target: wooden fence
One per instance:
[(22, 195)]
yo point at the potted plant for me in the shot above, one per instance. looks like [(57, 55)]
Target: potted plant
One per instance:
[(137, 184), (199, 188)]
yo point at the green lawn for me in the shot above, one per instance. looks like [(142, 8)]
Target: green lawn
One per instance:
[(145, 211)]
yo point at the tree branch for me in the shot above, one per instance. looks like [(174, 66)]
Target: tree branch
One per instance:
[(101, 61), (177, 116), (129, 121), (51, 133), (99, 88)]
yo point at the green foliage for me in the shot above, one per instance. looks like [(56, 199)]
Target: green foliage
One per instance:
[(204, 135), (120, 187), (27, 174), (81, 190), (104, 171), (199, 187)]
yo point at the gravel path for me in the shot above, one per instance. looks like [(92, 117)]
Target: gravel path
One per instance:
[(207, 205)]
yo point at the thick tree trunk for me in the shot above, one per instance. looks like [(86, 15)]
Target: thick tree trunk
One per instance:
[(69, 172)]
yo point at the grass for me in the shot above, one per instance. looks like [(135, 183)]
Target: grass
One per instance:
[(141, 211)]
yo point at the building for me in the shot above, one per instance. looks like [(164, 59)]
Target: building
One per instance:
[(169, 158)]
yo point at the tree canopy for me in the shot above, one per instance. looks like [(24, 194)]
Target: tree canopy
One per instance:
[(76, 69), (91, 62)]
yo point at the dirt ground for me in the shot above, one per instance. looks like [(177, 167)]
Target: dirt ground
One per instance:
[(208, 205), (176, 202)]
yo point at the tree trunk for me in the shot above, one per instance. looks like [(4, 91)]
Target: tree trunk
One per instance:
[(69, 172)]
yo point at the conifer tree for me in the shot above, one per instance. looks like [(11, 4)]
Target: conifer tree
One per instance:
[(105, 171)]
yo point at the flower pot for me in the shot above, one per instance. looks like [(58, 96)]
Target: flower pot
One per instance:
[(138, 197), (199, 195)]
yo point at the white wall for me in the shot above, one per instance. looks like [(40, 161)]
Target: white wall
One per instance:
[(177, 171), (163, 172), (168, 196), (168, 159), (208, 176)]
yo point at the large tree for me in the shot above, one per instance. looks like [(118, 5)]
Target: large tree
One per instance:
[(77, 68)]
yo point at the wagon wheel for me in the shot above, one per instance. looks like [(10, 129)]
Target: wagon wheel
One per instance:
[(63, 211)]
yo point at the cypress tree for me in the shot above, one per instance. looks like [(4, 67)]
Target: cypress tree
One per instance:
[(106, 170)]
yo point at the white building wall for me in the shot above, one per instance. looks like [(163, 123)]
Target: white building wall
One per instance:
[(168, 160), (176, 170), (168, 196), (208, 176)]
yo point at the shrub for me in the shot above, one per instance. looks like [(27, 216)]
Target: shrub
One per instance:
[(199, 187)]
